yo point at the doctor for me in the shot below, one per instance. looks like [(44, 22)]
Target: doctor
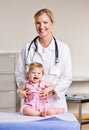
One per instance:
[(52, 53)]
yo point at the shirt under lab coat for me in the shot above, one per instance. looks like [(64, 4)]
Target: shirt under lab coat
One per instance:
[(60, 73)]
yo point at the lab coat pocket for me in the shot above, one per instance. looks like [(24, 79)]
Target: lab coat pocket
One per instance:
[(55, 71)]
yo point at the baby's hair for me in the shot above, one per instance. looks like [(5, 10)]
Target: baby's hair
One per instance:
[(34, 65)]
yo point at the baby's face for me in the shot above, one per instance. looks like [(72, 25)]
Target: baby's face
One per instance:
[(35, 75)]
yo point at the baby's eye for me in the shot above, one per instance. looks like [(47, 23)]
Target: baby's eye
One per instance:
[(38, 73), (33, 72)]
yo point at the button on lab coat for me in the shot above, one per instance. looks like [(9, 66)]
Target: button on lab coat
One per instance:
[(60, 73)]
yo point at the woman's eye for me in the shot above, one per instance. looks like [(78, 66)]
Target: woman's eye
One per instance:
[(45, 22), (37, 23)]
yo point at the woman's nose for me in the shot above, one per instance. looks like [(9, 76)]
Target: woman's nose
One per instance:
[(41, 25)]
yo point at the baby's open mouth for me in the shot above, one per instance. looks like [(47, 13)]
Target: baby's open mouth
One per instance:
[(35, 78)]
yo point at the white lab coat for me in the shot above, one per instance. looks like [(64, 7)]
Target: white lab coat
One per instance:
[(60, 73)]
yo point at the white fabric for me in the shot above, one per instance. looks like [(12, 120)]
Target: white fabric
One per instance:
[(16, 117)]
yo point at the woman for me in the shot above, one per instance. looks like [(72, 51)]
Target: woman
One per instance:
[(52, 53)]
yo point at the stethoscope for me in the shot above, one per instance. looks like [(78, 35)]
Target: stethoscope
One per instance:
[(56, 48)]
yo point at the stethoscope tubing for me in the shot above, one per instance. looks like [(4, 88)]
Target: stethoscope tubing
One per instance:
[(56, 47)]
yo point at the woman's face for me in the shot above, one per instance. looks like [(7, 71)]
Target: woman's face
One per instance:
[(44, 25)]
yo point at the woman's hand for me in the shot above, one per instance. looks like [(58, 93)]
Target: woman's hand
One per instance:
[(23, 93), (48, 91)]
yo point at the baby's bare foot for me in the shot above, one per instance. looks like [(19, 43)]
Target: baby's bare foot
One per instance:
[(43, 114)]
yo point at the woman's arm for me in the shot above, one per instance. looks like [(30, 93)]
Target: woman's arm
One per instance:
[(20, 72), (65, 79)]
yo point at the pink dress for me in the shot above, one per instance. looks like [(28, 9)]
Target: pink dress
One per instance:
[(35, 100)]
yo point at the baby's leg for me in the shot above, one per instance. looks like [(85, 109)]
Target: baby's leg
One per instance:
[(54, 111), (30, 112)]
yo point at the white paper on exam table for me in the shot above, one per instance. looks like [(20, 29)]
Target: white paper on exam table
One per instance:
[(17, 117)]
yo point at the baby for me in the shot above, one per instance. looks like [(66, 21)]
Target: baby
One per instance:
[(36, 102)]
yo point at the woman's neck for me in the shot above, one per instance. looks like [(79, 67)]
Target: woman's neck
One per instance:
[(45, 41)]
